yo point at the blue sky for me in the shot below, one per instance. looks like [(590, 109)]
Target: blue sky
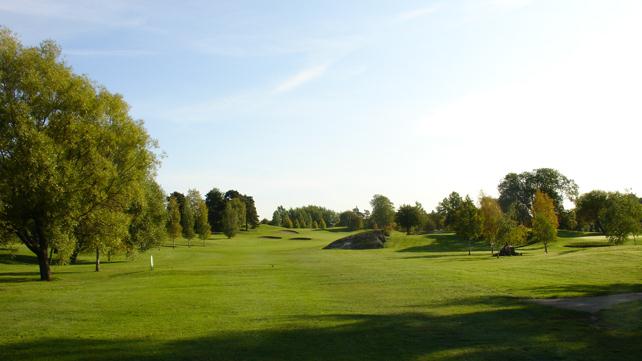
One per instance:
[(330, 102)]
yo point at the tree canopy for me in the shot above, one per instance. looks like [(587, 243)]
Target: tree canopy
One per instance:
[(69, 151), (383, 212)]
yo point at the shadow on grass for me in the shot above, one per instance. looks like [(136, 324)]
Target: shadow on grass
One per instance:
[(18, 259), (563, 290), (499, 328), (576, 234), (448, 243)]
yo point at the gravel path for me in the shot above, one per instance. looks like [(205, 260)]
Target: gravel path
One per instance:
[(590, 304)]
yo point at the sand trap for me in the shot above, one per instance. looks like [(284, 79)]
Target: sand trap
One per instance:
[(590, 304)]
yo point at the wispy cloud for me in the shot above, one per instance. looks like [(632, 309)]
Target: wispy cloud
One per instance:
[(109, 52), (416, 13), (300, 78)]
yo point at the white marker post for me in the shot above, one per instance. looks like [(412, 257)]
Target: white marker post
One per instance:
[(151, 262)]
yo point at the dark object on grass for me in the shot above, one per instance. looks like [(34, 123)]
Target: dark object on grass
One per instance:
[(288, 231), (301, 238), (272, 237), (507, 250), (365, 240)]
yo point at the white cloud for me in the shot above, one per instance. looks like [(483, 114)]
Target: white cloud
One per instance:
[(416, 13), (300, 78)]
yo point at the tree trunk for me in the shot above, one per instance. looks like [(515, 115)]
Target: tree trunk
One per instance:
[(97, 259), (469, 247), (545, 248), (109, 256), (74, 255), (51, 252), (173, 242), (43, 262)]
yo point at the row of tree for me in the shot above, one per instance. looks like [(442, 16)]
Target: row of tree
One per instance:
[(305, 217)]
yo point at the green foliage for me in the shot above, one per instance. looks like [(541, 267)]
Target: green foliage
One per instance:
[(544, 219), (468, 222), (568, 220), (174, 228), (448, 208), (322, 224), (215, 208), (351, 220), (408, 217), (233, 217), (71, 153), (491, 219), (201, 214), (518, 190), (621, 217), (149, 216), (510, 232), (188, 220), (383, 212), (588, 208)]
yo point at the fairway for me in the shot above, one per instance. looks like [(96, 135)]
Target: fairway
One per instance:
[(255, 298)]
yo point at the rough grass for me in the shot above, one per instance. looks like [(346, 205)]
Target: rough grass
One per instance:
[(248, 298)]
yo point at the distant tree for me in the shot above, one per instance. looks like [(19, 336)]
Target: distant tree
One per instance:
[(544, 219), (448, 208), (201, 215), (277, 220), (322, 224), (148, 218), (621, 217), (351, 220), (180, 199), (287, 221), (215, 202), (174, 228), (265, 221), (383, 213), (491, 218), (510, 232), (519, 190), (296, 224), (251, 215), (408, 217), (233, 217), (468, 222), (588, 208), (187, 222), (568, 220)]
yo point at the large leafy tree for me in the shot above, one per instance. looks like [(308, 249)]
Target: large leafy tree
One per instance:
[(69, 151), (588, 208), (544, 219), (351, 220), (518, 190), (383, 212), (408, 217), (468, 222), (187, 222), (621, 216), (147, 227)]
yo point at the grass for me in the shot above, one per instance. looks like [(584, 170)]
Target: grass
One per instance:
[(254, 298)]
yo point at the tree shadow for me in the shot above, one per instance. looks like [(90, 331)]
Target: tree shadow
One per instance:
[(448, 243), (7, 258), (499, 328)]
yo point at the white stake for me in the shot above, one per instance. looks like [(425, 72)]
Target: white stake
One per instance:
[(151, 262)]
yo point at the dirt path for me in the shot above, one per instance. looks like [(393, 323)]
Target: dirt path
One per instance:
[(590, 304)]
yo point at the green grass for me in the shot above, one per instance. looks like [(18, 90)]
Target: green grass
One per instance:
[(254, 298)]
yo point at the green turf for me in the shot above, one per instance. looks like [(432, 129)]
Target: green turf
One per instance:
[(254, 298)]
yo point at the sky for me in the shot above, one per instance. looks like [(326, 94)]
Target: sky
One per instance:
[(330, 102)]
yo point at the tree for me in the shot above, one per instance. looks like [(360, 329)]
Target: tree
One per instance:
[(69, 151), (233, 217), (104, 231), (408, 217), (491, 218), (215, 208), (544, 219), (383, 213), (174, 228), (201, 224), (510, 232), (468, 221), (322, 224), (448, 207), (519, 189), (621, 217), (568, 220), (588, 208), (147, 227), (187, 222), (351, 220)]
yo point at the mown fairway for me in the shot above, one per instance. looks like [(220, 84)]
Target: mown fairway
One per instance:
[(253, 298)]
